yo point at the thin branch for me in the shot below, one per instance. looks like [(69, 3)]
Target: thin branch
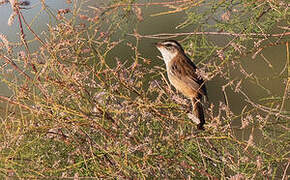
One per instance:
[(285, 171), (173, 35), (31, 30), (12, 63), (140, 4), (8, 100), (22, 37), (288, 81)]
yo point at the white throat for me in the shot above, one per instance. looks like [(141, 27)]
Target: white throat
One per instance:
[(167, 55)]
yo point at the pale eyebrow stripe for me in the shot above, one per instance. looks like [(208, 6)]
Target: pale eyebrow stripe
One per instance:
[(171, 43)]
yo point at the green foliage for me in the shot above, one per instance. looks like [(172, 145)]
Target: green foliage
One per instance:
[(80, 107)]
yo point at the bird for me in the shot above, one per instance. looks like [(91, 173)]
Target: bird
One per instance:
[(182, 74)]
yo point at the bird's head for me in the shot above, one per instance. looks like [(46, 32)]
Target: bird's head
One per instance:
[(169, 49)]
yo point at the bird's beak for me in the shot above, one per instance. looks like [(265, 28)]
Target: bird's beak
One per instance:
[(158, 44)]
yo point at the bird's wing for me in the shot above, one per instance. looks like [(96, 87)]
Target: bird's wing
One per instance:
[(188, 69)]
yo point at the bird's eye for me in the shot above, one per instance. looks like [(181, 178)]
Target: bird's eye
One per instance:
[(169, 47)]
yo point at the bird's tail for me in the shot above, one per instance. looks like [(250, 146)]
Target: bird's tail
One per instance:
[(198, 112)]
